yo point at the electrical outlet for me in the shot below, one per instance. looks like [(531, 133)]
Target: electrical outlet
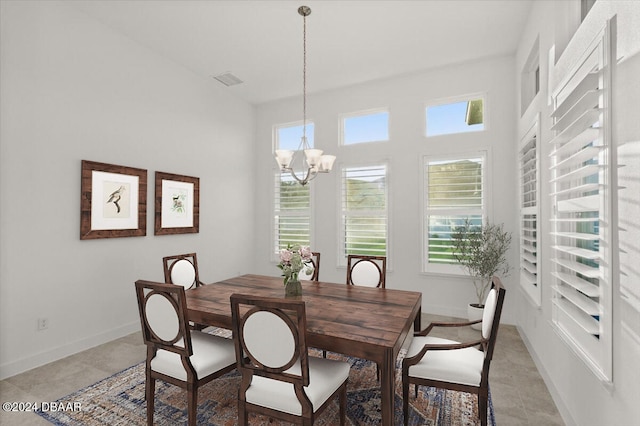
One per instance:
[(43, 323)]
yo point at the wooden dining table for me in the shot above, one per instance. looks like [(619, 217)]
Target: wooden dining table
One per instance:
[(362, 322)]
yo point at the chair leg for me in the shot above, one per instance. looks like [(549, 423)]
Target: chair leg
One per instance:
[(243, 418), (150, 395), (192, 404), (416, 391), (482, 409), (405, 400), (343, 406), (324, 354)]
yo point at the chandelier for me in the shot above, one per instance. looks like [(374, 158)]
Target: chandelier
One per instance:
[(316, 162)]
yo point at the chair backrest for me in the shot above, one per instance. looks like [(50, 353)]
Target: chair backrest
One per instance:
[(181, 269), (315, 264), (491, 319), (270, 339), (370, 271), (163, 317)]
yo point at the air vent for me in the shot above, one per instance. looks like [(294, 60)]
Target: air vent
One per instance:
[(228, 79)]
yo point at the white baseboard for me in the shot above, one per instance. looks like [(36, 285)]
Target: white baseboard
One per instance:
[(12, 368), (555, 395)]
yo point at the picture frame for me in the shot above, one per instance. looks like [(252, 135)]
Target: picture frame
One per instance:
[(113, 201), (177, 204)]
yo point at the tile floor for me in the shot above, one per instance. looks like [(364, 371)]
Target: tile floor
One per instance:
[(519, 394)]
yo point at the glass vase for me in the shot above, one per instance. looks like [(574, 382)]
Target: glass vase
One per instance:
[(293, 289)]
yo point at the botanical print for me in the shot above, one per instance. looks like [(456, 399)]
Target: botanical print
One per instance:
[(177, 204), (178, 201)]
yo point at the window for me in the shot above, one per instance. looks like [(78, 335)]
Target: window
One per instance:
[(458, 117), (292, 212), (365, 127), (364, 211), (288, 136), (529, 214), (453, 192), (582, 195)]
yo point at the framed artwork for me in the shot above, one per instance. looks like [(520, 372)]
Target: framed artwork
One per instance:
[(177, 207), (113, 201)]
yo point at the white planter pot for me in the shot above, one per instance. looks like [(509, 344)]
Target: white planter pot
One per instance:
[(475, 313)]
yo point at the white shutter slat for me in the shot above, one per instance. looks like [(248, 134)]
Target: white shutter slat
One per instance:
[(577, 267), (577, 251), (584, 321), (578, 283)]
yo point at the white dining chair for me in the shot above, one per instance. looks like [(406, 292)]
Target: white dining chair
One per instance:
[(177, 354), (279, 379)]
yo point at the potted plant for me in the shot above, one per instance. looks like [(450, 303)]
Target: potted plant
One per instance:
[(481, 251)]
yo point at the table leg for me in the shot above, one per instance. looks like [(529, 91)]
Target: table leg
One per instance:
[(387, 388)]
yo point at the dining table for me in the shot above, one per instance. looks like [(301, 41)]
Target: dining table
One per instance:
[(357, 321)]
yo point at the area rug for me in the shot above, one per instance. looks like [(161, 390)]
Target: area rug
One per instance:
[(120, 400)]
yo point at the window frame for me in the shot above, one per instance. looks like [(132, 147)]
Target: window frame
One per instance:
[(581, 125), (485, 154), (341, 253), (363, 113), (453, 100)]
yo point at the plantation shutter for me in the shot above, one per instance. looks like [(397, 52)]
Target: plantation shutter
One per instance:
[(454, 193), (364, 210), (529, 213), (292, 212), (582, 167)]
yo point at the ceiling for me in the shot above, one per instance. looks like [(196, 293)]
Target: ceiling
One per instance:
[(348, 42)]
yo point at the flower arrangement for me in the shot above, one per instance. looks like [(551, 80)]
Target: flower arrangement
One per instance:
[(292, 260)]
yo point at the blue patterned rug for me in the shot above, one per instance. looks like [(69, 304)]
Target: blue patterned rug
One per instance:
[(120, 400)]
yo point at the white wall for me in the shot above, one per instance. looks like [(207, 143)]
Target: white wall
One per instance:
[(406, 98), (73, 89), (581, 398)]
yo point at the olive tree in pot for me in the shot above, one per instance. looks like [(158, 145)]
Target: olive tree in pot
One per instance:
[(481, 251)]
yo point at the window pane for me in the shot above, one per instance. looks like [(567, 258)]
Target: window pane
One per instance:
[(292, 212), (365, 188), (441, 229), (459, 117), (364, 206), (455, 183), (292, 195), (289, 137), (366, 128), (292, 230), (366, 235)]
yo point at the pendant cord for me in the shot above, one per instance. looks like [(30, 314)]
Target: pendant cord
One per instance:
[(304, 76)]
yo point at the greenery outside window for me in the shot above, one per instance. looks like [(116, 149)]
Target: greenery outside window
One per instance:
[(292, 212), (454, 191), (364, 211), (461, 116)]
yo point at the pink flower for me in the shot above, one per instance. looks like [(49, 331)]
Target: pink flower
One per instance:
[(305, 252), (285, 255)]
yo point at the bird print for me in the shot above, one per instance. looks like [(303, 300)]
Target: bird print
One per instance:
[(115, 197)]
